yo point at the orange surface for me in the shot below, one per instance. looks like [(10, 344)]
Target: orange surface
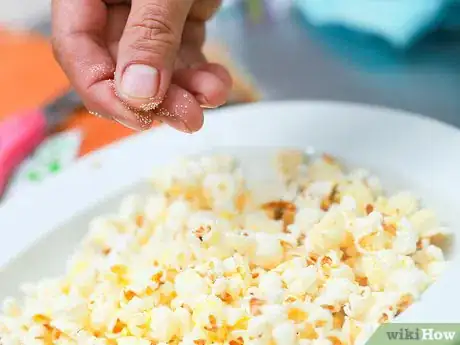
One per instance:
[(29, 77)]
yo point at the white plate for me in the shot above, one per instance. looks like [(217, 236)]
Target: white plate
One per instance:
[(40, 229)]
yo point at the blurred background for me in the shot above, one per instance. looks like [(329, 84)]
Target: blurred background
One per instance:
[(402, 54)]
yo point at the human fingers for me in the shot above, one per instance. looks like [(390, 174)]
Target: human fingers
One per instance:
[(148, 49), (78, 45)]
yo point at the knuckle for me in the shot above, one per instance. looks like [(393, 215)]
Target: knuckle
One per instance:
[(157, 46), (152, 24)]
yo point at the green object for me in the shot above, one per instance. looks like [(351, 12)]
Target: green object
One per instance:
[(54, 155), (413, 334), (54, 167), (255, 9), (33, 176)]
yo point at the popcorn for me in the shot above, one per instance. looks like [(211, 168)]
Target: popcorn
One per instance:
[(430, 253), (217, 164), (360, 193), (403, 204), (427, 224), (348, 203), (269, 252), (342, 271), (184, 320), (306, 218), (155, 207), (435, 269), (163, 324), (412, 281), (132, 341), (377, 267), (373, 306), (189, 285), (177, 215), (199, 262), (274, 313), (366, 332), (324, 169), (285, 334), (271, 286), (258, 326), (144, 278), (235, 316), (288, 163), (220, 286), (335, 293), (10, 308), (301, 281), (208, 308), (328, 234), (321, 318), (258, 221), (405, 241), (100, 230), (320, 189), (222, 189), (131, 207), (321, 341)]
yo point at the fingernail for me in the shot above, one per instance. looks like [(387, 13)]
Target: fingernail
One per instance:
[(203, 101), (205, 106), (177, 124), (127, 124), (140, 81)]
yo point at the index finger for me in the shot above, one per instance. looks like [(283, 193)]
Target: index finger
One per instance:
[(79, 47)]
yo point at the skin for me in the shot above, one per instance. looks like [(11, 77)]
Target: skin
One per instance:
[(95, 41)]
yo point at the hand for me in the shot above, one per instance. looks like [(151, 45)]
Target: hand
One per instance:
[(141, 60)]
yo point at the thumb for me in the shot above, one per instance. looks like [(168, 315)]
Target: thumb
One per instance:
[(148, 49)]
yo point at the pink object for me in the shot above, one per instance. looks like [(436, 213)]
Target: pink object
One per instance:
[(20, 134)]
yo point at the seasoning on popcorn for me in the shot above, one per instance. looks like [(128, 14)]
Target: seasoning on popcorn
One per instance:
[(195, 263)]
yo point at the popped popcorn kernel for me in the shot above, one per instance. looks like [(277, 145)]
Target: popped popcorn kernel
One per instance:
[(198, 262), (285, 334)]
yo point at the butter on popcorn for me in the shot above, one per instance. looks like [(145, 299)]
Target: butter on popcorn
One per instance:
[(195, 263)]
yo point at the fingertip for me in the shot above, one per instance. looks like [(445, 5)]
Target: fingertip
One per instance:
[(139, 87), (219, 71), (147, 51), (208, 89), (181, 110), (100, 98)]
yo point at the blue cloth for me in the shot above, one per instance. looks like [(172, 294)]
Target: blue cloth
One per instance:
[(400, 22), (452, 20)]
